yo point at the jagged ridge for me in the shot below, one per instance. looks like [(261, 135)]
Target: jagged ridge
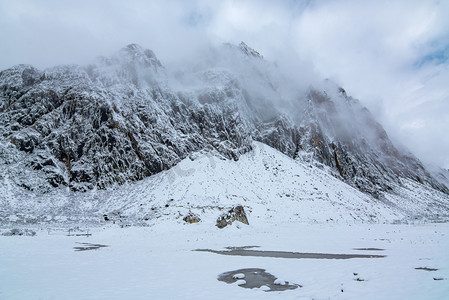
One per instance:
[(120, 120)]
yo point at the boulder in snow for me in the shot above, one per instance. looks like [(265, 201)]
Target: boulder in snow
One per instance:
[(234, 214)]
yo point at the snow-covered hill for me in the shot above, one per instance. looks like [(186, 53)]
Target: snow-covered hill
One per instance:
[(272, 188)]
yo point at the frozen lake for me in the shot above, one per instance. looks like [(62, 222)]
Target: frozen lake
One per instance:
[(158, 262)]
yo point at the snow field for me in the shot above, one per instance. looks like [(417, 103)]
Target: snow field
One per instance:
[(158, 262)]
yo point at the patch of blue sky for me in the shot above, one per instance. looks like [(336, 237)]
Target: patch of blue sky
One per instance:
[(437, 57), (195, 19)]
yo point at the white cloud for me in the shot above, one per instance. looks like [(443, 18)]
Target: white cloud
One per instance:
[(392, 55), (374, 48)]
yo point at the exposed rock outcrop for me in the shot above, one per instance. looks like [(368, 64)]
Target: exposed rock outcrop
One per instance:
[(192, 218), (234, 214)]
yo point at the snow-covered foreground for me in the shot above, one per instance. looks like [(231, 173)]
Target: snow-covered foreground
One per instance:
[(157, 262)]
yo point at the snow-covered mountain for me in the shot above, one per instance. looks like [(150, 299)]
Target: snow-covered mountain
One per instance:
[(125, 118), (271, 187)]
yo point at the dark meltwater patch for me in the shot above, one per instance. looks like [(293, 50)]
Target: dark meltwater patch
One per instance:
[(369, 249), (256, 278), (241, 251), (426, 269), (241, 247), (89, 246)]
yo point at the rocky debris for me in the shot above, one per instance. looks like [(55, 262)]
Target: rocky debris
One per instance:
[(19, 232), (114, 217), (234, 214), (191, 218)]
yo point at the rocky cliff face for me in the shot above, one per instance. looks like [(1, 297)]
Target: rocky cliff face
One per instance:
[(342, 134), (106, 124), (123, 118)]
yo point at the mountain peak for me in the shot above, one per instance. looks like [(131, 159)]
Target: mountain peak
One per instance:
[(248, 50), (244, 49), (138, 51), (137, 54)]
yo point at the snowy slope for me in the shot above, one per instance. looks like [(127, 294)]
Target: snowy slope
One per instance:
[(271, 186)]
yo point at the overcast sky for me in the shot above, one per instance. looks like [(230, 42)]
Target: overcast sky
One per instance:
[(392, 55)]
